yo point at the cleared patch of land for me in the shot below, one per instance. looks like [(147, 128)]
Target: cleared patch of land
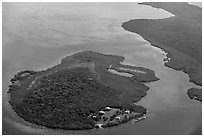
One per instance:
[(180, 36), (71, 94)]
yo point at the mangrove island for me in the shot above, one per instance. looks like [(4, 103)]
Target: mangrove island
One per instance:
[(80, 92)]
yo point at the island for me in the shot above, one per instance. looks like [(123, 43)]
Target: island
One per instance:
[(81, 93), (180, 36), (195, 93)]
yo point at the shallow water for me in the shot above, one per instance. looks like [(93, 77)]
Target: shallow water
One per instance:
[(120, 73), (36, 36)]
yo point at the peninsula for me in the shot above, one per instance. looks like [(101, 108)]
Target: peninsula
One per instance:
[(80, 93), (180, 36)]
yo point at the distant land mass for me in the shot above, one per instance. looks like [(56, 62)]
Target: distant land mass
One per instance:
[(81, 92), (180, 36)]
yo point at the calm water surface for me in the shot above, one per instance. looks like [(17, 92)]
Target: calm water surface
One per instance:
[(37, 35)]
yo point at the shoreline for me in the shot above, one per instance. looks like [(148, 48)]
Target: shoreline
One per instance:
[(178, 58)]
